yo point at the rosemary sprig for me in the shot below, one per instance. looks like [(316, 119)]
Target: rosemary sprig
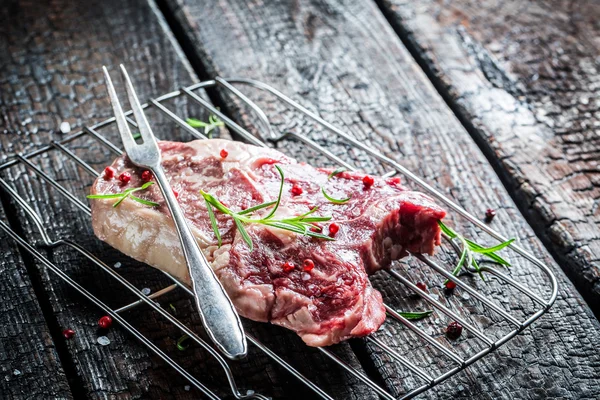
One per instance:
[(126, 194), (300, 224), (333, 199), (469, 247), (416, 315), (213, 122)]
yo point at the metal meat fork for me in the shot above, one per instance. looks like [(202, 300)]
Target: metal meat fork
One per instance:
[(219, 318)]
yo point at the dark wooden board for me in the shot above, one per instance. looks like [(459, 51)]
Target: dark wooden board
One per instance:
[(52, 53), (29, 363), (523, 78), (344, 61), (52, 74)]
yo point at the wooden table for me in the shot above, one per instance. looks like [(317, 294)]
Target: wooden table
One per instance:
[(494, 101)]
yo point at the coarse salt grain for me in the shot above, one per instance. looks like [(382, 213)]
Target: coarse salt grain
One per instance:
[(103, 341), (65, 127)]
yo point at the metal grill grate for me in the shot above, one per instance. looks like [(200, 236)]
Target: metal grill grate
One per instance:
[(458, 362)]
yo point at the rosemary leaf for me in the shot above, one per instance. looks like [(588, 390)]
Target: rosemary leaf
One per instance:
[(478, 269), (213, 123), (145, 186), (286, 226), (279, 195), (143, 201), (305, 217), (336, 172), (195, 123), (180, 342), (316, 219), (126, 195), (334, 200), (416, 315), (213, 222), (244, 233), (105, 196), (257, 207), (447, 230), (493, 249), (319, 236), (215, 203), (461, 261), (478, 249), (311, 211)]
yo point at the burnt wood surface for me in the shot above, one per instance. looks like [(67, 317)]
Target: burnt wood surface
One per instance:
[(343, 60), (51, 58), (51, 75), (523, 77), (29, 363)]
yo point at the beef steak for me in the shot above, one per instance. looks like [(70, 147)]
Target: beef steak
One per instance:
[(332, 302)]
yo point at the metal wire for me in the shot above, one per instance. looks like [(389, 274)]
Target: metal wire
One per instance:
[(267, 132)]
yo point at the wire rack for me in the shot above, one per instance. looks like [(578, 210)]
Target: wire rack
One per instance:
[(541, 302)]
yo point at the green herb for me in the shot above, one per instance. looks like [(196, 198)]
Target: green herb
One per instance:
[(256, 208), (213, 221), (336, 172), (136, 136), (181, 341), (299, 224), (213, 122), (126, 194), (469, 247), (416, 315), (243, 232), (172, 307), (333, 199)]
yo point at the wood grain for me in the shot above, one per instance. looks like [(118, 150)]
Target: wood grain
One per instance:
[(53, 75), (28, 356), (342, 60), (52, 54), (523, 77)]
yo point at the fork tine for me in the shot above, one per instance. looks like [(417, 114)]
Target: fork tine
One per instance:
[(126, 137), (136, 107)]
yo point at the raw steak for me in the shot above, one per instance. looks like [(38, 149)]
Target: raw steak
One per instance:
[(332, 302)]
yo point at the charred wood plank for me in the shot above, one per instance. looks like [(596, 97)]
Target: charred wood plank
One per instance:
[(54, 52), (522, 77), (29, 361), (53, 55), (342, 60)]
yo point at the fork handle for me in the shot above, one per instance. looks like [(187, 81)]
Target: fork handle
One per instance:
[(218, 315)]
